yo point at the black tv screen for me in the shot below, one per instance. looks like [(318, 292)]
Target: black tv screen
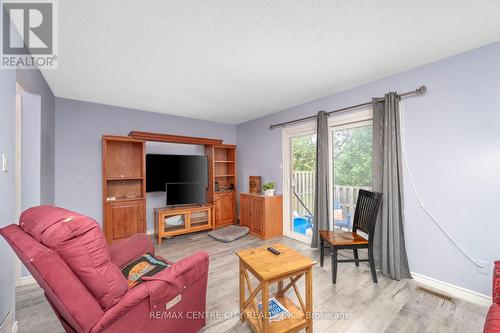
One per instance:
[(185, 194), (163, 169)]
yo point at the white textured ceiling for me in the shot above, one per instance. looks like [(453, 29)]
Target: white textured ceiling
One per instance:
[(235, 60)]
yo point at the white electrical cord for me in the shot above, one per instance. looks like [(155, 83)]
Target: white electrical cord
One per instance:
[(420, 203)]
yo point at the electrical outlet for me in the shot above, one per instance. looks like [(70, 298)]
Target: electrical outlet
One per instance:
[(5, 163), (485, 269)]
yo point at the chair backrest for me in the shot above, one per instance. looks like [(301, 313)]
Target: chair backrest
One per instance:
[(80, 243), (366, 212), (74, 304)]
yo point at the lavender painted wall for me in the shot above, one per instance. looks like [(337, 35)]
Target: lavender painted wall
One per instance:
[(7, 143), (79, 127), (453, 148), (31, 150), (33, 82)]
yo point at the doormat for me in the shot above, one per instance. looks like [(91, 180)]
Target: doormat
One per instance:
[(229, 233)]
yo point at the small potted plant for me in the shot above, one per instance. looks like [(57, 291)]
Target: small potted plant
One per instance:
[(268, 188)]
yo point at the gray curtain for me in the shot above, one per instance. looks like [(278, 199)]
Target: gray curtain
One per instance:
[(389, 242), (321, 199)]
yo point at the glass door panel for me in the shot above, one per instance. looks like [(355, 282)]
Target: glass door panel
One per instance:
[(302, 184), (200, 218), (175, 222), (352, 169)]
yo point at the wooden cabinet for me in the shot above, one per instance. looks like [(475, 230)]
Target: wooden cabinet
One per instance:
[(262, 214), (245, 210), (123, 219), (257, 215), (224, 208), (124, 189)]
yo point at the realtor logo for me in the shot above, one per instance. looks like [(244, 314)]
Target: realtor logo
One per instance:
[(29, 34)]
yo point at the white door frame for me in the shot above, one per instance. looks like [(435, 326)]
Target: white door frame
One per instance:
[(18, 174), (287, 133), (342, 120)]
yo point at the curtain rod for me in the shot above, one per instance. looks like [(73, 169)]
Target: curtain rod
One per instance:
[(419, 91)]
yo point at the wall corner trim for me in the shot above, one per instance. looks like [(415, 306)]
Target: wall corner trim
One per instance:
[(452, 290), (9, 325)]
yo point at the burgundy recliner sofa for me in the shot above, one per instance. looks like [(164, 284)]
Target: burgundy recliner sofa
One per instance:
[(80, 274), (492, 324)]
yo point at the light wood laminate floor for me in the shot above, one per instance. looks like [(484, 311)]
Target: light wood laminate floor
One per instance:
[(389, 306)]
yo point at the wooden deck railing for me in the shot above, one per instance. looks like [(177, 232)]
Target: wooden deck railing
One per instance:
[(346, 196)]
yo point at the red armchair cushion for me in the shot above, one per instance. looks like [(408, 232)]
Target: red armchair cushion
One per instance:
[(125, 250), (496, 282), (492, 324), (80, 242)]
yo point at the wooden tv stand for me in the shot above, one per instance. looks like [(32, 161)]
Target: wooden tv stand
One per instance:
[(194, 218)]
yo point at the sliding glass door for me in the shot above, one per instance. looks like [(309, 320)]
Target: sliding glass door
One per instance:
[(351, 150)]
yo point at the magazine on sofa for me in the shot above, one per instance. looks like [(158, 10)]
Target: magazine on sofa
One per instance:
[(146, 265)]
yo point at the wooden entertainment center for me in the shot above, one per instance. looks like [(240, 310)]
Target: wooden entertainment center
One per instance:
[(124, 187)]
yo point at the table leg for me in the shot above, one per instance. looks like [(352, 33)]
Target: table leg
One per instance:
[(265, 304), (280, 287), (242, 292), (309, 301), (321, 251)]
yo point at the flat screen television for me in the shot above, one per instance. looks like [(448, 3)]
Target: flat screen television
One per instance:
[(178, 194), (177, 169)]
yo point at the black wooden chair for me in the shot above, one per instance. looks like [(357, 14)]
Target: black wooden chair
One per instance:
[(365, 218)]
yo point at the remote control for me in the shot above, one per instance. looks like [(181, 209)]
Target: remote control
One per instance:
[(273, 251)]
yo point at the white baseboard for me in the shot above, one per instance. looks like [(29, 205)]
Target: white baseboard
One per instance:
[(452, 290), (9, 325), (27, 280)]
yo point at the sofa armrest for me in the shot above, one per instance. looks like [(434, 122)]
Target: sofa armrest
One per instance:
[(187, 276), (173, 281), (128, 249)]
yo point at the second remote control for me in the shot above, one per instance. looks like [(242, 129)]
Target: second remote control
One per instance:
[(273, 250)]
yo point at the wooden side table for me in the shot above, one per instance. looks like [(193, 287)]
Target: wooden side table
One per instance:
[(269, 268)]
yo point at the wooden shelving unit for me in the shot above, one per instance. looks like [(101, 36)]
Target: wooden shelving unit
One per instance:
[(124, 187), (222, 168)]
